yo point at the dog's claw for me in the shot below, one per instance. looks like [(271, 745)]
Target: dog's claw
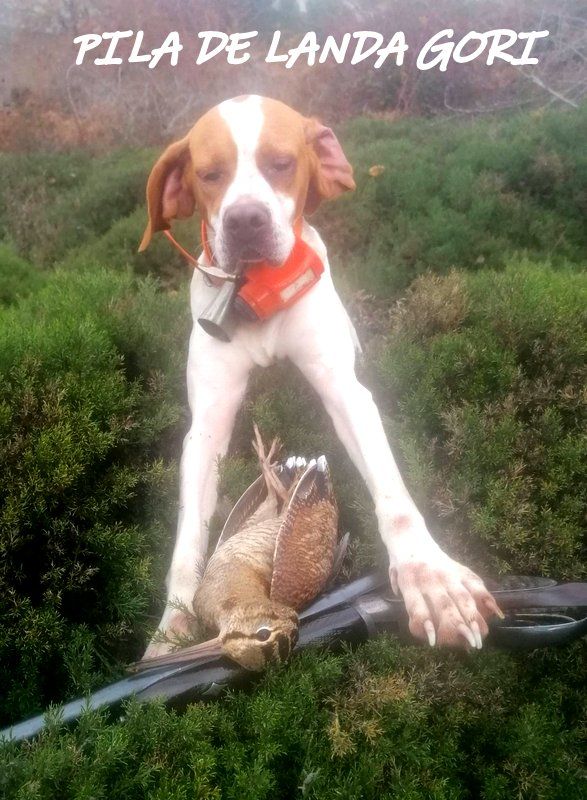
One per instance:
[(493, 608), (430, 632), (477, 634), (467, 634), (439, 590)]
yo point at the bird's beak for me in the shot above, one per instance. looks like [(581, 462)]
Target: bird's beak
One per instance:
[(205, 651)]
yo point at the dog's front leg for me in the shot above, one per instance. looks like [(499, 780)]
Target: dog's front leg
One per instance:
[(446, 602), (217, 377)]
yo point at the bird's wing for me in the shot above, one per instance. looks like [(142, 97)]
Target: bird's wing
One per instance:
[(306, 542), (251, 500), (244, 507), (339, 556)]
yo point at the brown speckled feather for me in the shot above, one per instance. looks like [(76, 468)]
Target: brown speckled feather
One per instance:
[(306, 541)]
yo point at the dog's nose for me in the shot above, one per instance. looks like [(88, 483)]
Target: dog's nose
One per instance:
[(246, 221)]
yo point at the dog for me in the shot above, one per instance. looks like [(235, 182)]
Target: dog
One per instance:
[(254, 168)]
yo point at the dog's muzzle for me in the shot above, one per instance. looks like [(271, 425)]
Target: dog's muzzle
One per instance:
[(247, 231)]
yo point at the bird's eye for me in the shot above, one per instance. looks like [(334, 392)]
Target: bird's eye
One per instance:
[(263, 634)]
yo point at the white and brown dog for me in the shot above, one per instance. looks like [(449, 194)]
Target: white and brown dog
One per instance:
[(253, 167)]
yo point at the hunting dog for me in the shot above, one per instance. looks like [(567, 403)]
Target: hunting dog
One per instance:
[(253, 168)]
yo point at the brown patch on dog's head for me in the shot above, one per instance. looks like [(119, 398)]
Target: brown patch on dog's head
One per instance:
[(192, 173), (301, 157)]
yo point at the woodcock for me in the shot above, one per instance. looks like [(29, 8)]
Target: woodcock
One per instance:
[(277, 551)]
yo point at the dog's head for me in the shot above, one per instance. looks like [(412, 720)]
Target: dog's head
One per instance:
[(251, 166)]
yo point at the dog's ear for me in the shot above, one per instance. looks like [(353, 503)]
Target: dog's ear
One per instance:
[(330, 172), (169, 190)]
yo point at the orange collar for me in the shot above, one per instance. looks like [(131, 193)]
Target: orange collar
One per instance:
[(264, 289)]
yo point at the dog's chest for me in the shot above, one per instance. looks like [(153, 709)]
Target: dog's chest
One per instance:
[(259, 340)]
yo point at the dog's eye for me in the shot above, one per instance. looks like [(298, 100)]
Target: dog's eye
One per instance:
[(263, 634), (282, 164), (212, 176)]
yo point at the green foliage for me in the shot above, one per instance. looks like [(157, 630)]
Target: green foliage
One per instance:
[(118, 249), (30, 184), (88, 400), (386, 721), (17, 277), (53, 203), (494, 400), (455, 195)]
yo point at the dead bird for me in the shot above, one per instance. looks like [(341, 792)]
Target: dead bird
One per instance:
[(277, 551)]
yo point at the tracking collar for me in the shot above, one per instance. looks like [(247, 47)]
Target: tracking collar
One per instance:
[(263, 288)]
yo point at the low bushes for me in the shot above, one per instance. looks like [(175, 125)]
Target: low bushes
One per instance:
[(52, 203), (118, 248), (490, 407), (88, 400), (456, 195), (387, 721), (18, 278)]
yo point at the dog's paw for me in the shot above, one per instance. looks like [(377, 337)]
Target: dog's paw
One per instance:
[(447, 603)]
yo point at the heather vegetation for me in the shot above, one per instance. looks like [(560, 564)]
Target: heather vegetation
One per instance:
[(462, 262)]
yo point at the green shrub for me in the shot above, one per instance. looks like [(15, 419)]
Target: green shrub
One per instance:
[(468, 194), (18, 278), (89, 412), (113, 189), (56, 208), (30, 185), (490, 412), (386, 721), (118, 249)]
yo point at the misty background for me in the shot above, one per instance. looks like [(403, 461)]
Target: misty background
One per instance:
[(49, 103)]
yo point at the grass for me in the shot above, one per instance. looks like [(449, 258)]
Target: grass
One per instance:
[(463, 266)]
